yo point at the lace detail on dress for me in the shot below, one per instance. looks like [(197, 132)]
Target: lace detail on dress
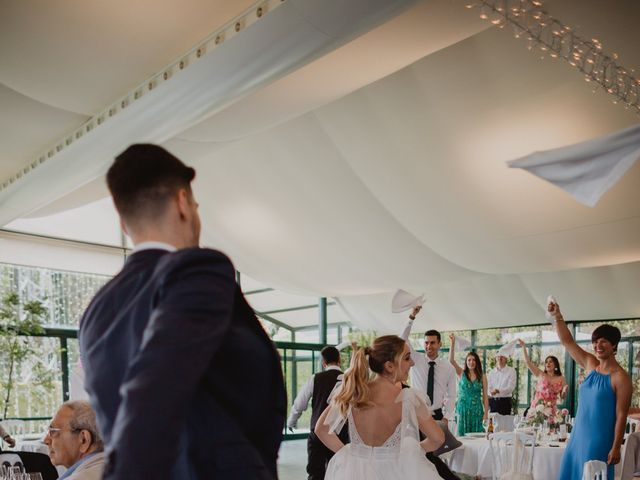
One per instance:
[(393, 441)]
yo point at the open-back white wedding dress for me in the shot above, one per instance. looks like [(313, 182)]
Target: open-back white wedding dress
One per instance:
[(400, 457)]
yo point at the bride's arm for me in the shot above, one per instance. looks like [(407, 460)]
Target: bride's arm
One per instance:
[(331, 440), (428, 426)]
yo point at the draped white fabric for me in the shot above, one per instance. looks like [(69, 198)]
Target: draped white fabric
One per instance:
[(380, 165)]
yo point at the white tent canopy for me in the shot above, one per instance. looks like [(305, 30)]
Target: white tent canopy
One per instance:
[(369, 163)]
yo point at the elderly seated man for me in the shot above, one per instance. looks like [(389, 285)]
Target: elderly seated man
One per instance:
[(75, 443)]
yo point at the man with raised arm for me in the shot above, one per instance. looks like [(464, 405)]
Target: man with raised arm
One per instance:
[(436, 377)]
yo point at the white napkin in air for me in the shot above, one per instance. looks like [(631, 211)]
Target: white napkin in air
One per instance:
[(508, 349), (462, 344), (550, 299), (403, 301), (588, 169)]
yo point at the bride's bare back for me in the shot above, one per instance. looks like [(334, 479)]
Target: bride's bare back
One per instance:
[(377, 423)]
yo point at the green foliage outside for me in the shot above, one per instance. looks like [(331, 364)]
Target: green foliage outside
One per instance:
[(18, 321)]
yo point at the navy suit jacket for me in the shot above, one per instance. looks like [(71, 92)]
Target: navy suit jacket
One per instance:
[(185, 382)]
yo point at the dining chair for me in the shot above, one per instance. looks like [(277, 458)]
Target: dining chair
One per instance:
[(594, 470), (631, 458), (503, 423), (633, 425), (512, 455)]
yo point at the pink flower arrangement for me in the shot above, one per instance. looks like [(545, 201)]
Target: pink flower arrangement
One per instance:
[(546, 411)]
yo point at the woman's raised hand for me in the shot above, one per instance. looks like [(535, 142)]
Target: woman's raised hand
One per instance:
[(554, 309), (415, 312), (521, 342)]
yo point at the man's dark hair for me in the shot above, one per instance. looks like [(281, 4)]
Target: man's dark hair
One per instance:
[(330, 355), (608, 332), (143, 178), (433, 333)]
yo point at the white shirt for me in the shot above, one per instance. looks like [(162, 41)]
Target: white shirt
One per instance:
[(153, 246), (444, 378), (301, 402), (502, 379)]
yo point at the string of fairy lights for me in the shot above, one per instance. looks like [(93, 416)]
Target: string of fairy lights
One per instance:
[(549, 36)]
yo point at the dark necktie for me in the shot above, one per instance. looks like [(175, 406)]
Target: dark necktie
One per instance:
[(430, 381)]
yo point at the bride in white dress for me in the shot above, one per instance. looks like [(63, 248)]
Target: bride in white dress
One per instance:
[(384, 419)]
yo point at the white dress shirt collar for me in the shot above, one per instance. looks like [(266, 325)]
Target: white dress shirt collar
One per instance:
[(153, 246), (333, 367)]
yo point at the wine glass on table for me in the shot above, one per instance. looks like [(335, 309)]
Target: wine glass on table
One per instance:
[(485, 425)]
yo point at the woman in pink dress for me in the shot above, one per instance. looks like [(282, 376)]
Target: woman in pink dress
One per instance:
[(551, 384)]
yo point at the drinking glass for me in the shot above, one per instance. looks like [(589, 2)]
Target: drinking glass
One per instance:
[(35, 476), (485, 425), (516, 422)]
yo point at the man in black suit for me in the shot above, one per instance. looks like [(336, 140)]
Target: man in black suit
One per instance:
[(184, 380), (317, 389)]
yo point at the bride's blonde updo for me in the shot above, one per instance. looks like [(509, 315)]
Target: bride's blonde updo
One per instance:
[(355, 384)]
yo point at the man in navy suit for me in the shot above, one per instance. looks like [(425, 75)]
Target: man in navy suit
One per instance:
[(185, 382)]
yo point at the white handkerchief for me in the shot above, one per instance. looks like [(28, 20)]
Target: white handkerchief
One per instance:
[(586, 170), (550, 299), (508, 349), (462, 344), (403, 301)]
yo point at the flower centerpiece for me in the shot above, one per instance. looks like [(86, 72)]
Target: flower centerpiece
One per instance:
[(546, 412)]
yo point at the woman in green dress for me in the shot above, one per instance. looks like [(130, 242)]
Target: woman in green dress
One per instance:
[(473, 404)]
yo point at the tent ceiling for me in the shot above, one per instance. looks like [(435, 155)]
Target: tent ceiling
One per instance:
[(379, 165)]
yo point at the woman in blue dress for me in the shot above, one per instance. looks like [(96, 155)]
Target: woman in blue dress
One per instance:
[(603, 400)]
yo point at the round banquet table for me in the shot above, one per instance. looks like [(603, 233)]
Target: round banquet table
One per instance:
[(474, 458)]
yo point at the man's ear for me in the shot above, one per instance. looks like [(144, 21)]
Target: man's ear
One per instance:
[(85, 441), (183, 202)]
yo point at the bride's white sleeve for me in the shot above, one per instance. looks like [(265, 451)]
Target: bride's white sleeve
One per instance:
[(335, 420), (415, 404)]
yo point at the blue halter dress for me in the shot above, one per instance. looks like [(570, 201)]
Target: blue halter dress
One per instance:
[(593, 431)]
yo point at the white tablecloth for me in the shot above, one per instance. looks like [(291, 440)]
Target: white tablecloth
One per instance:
[(474, 458), (36, 446)]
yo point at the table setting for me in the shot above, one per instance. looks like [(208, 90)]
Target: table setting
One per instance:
[(474, 457)]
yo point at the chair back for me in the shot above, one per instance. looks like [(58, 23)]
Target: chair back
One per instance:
[(512, 455), (594, 470), (631, 459), (503, 423), (633, 426)]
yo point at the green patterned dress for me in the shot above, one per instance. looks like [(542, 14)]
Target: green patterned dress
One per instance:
[(469, 408)]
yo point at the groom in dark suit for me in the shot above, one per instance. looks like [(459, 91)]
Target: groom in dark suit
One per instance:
[(184, 380)]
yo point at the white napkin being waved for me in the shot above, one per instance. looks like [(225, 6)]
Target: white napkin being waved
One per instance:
[(508, 349), (588, 169), (552, 320), (462, 344), (403, 301)]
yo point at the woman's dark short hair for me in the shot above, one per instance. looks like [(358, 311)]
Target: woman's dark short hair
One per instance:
[(330, 355), (608, 332), (143, 178)]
